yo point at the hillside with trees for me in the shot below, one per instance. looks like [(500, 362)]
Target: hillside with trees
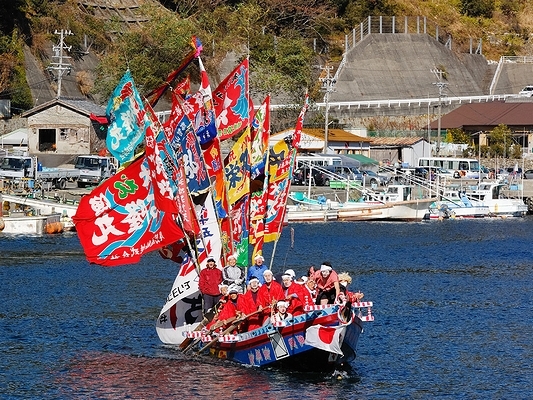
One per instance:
[(284, 39)]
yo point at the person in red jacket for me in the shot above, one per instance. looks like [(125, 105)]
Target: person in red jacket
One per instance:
[(253, 304), (270, 292), (234, 309), (210, 278), (294, 294), (310, 287)]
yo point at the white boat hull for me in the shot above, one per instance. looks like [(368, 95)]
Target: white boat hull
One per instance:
[(31, 225)]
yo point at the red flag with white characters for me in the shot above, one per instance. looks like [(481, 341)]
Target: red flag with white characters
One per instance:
[(231, 101), (120, 220), (328, 338)]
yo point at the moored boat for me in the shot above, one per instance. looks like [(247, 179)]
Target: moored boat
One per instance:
[(492, 195), (47, 207), (27, 220), (454, 204), (397, 202)]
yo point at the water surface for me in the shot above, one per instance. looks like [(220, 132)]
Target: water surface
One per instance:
[(453, 318)]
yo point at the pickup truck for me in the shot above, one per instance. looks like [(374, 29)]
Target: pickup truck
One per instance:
[(94, 169), (28, 167)]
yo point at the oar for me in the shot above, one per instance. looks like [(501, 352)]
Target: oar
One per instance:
[(195, 342), (185, 344), (231, 328)]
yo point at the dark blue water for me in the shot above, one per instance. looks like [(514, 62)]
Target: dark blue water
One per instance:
[(452, 306)]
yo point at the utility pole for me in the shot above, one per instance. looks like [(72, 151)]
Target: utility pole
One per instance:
[(59, 66), (327, 86), (441, 85)]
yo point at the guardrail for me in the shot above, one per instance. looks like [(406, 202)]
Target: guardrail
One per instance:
[(427, 101)]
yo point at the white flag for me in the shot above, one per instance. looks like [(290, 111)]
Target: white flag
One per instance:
[(328, 338)]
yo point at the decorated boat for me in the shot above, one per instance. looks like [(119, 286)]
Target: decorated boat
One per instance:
[(179, 196)]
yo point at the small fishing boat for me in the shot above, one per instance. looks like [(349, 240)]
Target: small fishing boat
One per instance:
[(397, 202), (46, 207), (25, 220), (455, 204), (492, 195)]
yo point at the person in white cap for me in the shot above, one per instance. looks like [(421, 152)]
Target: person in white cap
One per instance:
[(209, 279), (257, 269), (253, 304), (291, 273), (327, 284), (234, 308), (269, 292), (281, 314), (232, 273), (294, 294)]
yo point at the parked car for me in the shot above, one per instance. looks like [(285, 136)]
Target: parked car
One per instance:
[(528, 174), (508, 173), (435, 172), (527, 91), (343, 171), (373, 178), (301, 177)]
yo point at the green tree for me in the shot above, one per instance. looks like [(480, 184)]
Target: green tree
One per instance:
[(150, 52), (458, 136), (478, 8), (500, 141)]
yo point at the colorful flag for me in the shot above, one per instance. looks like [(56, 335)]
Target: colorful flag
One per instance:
[(328, 338), (231, 102), (187, 217), (260, 128), (258, 207), (277, 200), (183, 304), (161, 166), (183, 88), (128, 123), (210, 243), (183, 142), (259, 173), (240, 224), (281, 161), (237, 168), (120, 221), (199, 109), (215, 170), (299, 124)]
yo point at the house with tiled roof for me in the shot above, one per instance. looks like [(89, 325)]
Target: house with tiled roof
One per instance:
[(339, 141), (478, 119), (60, 129)]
